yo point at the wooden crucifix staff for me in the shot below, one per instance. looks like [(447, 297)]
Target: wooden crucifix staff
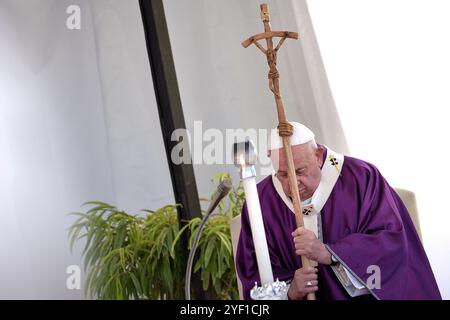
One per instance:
[(285, 129)]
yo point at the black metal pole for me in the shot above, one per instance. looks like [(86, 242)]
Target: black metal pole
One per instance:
[(170, 113)]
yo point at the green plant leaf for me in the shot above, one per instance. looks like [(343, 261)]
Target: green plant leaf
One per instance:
[(137, 285), (208, 252)]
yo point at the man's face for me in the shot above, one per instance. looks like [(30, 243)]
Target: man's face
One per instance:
[(307, 163)]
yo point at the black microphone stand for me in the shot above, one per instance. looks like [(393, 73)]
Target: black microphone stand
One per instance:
[(223, 189)]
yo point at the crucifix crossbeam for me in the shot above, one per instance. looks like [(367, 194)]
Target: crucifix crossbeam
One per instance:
[(270, 34)]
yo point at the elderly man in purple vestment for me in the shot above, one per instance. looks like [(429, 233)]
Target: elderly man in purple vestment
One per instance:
[(358, 234)]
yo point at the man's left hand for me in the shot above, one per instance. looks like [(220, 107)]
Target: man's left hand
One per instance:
[(307, 244)]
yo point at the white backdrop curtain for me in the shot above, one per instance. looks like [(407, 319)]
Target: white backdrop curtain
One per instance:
[(78, 122)]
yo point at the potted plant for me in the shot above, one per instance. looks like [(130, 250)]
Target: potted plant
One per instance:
[(138, 256)]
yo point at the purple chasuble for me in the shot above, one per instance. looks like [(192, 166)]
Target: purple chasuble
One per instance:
[(364, 223)]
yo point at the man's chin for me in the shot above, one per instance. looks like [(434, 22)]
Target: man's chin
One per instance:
[(303, 196)]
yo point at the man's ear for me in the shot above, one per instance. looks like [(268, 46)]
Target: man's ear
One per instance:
[(319, 155)]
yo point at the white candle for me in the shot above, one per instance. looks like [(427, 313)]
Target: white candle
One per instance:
[(258, 233)]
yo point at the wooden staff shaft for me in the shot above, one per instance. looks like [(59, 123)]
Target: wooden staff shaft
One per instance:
[(286, 140)]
